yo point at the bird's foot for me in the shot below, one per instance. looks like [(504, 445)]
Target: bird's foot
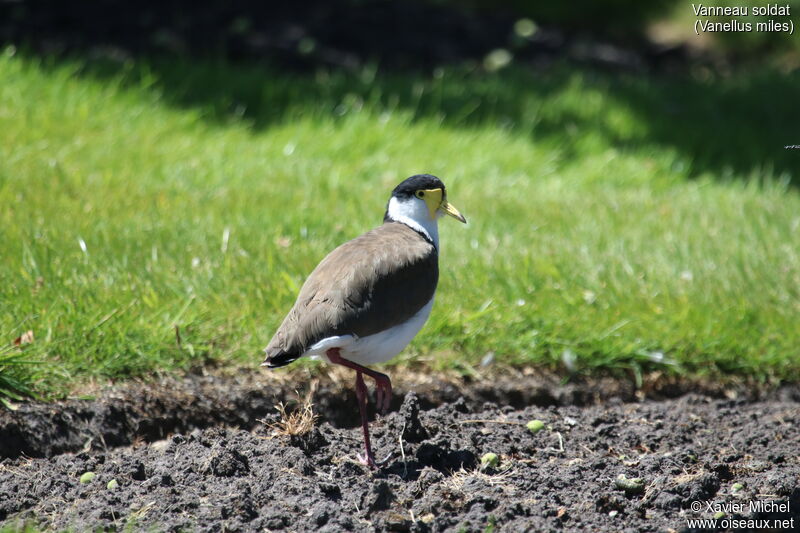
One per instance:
[(369, 460)]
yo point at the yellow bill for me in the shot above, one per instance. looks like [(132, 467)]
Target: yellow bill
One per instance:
[(434, 198), (452, 211)]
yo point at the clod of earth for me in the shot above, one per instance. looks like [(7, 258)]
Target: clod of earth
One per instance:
[(413, 430)]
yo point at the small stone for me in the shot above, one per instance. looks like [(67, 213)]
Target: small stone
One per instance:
[(535, 426), (630, 486), (490, 460)]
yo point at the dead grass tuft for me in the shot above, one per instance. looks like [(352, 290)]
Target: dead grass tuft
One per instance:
[(460, 478), (295, 422)]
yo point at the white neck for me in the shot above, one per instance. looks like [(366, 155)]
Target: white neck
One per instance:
[(414, 213)]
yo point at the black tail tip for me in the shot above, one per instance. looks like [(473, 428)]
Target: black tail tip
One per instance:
[(279, 360)]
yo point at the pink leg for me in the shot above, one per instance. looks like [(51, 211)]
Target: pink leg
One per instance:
[(383, 387), (361, 393)]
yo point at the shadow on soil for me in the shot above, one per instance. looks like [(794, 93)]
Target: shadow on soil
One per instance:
[(275, 64)]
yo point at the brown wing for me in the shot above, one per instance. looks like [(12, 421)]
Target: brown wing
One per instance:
[(364, 286)]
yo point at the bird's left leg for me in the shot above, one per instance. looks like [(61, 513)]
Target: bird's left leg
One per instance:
[(383, 385)]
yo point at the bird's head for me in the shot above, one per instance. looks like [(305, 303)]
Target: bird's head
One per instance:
[(421, 198)]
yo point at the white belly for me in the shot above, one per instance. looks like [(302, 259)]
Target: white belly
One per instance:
[(377, 348)]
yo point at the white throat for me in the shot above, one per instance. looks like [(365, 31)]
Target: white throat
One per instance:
[(414, 213)]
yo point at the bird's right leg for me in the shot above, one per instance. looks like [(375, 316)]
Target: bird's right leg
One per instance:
[(361, 394)]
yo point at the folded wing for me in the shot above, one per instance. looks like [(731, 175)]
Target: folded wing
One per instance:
[(365, 286)]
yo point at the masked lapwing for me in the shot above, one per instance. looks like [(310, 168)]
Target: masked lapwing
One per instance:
[(370, 296)]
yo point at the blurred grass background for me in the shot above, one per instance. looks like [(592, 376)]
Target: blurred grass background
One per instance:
[(619, 221)]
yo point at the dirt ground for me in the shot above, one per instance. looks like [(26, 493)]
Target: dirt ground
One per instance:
[(201, 453)]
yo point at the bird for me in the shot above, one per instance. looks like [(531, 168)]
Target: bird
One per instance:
[(369, 297)]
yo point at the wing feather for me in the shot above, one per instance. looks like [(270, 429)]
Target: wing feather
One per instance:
[(364, 286)]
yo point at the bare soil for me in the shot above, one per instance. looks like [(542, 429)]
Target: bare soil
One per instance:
[(201, 454)]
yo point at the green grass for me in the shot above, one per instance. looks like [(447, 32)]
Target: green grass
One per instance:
[(611, 218)]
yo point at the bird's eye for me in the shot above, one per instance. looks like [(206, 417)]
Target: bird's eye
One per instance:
[(420, 194)]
